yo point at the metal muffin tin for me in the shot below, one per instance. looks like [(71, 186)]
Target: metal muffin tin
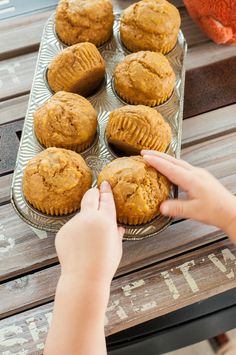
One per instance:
[(104, 101)]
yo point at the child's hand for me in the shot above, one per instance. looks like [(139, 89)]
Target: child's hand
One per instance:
[(208, 201), (89, 246)]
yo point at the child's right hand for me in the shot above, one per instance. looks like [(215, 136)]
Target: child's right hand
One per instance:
[(208, 201)]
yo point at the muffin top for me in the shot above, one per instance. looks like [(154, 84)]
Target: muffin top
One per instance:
[(133, 128), (144, 78), (150, 25), (79, 69), (137, 187), (65, 119), (84, 21), (56, 178)]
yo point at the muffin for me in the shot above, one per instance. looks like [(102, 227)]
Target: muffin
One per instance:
[(79, 69), (137, 187), (84, 21), (150, 25), (55, 181), (144, 78), (133, 128), (67, 121)]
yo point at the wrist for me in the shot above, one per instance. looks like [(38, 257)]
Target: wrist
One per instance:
[(81, 285)]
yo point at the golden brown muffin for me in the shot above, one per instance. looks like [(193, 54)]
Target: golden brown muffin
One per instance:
[(137, 187), (67, 121), (55, 181), (144, 78), (150, 25), (133, 128), (84, 21), (79, 69)]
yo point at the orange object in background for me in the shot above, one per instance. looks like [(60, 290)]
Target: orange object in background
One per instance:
[(217, 18)]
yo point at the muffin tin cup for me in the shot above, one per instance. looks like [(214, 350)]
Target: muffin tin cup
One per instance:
[(104, 101)]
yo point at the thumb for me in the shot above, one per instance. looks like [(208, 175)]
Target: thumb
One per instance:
[(121, 231), (175, 208), (107, 203)]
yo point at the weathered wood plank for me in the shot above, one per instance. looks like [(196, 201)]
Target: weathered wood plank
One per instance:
[(207, 53), (9, 142), (209, 125), (21, 247), (16, 75), (21, 35), (209, 155), (217, 155), (5, 183), (14, 109), (136, 298)]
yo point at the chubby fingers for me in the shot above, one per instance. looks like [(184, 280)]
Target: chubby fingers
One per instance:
[(90, 200), (106, 202), (167, 157), (177, 174), (178, 208)]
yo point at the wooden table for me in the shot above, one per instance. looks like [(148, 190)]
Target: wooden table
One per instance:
[(184, 277)]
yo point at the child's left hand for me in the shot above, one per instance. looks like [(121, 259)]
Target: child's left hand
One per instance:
[(89, 246)]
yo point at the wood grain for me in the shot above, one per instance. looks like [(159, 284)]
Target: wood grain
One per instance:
[(208, 53), (16, 75), (209, 125), (217, 155), (22, 35), (14, 109), (135, 298), (5, 184)]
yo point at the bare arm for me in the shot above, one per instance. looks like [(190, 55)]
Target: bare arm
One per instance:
[(89, 248), (208, 200)]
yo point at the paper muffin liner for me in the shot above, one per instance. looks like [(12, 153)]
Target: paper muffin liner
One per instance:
[(78, 148), (166, 49), (150, 103), (139, 135), (137, 220), (87, 60), (52, 211), (134, 48)]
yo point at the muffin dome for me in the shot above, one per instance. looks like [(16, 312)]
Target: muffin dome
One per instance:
[(144, 78), (150, 25), (84, 21), (55, 181), (79, 69), (133, 128), (66, 120), (137, 187)]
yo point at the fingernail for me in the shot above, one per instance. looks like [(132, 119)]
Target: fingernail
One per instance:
[(148, 152), (146, 157), (165, 209), (105, 187)]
